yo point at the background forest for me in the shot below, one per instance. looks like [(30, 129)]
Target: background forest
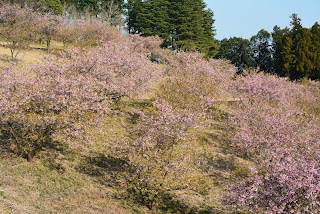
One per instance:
[(162, 119)]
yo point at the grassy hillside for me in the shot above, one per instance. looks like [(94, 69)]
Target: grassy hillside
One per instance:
[(29, 56), (115, 124), (64, 180), (73, 183)]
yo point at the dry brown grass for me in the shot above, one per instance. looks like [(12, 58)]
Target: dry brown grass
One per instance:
[(29, 56), (58, 187)]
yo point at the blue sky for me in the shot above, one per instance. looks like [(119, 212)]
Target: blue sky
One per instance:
[(244, 18)]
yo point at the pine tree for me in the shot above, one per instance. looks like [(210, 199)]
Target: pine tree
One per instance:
[(134, 8), (293, 51), (238, 51), (261, 47), (288, 57), (315, 37), (278, 41), (302, 50), (303, 47), (182, 24)]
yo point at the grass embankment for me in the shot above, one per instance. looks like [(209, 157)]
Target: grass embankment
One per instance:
[(56, 185), (64, 180), (68, 181), (31, 55)]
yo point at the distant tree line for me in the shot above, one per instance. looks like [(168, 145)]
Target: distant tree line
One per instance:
[(290, 52), (46, 6), (107, 10)]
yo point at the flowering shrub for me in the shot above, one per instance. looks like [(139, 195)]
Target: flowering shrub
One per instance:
[(22, 26), (64, 96), (151, 46), (282, 138), (277, 122), (89, 33), (195, 84), (160, 149), (66, 33), (18, 27), (46, 101), (158, 152), (47, 27), (125, 72)]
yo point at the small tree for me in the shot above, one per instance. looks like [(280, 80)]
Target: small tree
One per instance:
[(66, 33), (47, 102), (47, 27), (18, 27), (93, 32), (158, 154), (125, 72), (160, 149)]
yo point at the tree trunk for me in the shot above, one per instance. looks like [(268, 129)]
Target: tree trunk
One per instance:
[(48, 45)]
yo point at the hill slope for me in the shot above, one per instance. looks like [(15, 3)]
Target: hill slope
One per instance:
[(124, 126)]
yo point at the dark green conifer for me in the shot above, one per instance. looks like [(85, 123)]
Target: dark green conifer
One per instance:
[(315, 37), (278, 41), (238, 51), (183, 24), (262, 52), (54, 6)]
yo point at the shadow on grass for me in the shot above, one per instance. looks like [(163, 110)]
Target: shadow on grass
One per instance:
[(107, 169), (171, 205), (47, 150), (110, 171), (54, 153)]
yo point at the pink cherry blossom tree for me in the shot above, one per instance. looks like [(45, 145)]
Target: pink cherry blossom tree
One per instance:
[(278, 129), (18, 27), (47, 101)]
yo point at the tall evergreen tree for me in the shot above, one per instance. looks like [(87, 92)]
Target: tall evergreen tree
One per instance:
[(297, 51), (238, 51), (294, 52), (315, 37), (278, 41), (134, 10), (183, 24), (303, 54), (288, 57), (261, 47)]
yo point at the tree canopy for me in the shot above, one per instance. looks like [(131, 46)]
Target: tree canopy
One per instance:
[(296, 50), (52, 6), (238, 51), (290, 52), (182, 24)]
